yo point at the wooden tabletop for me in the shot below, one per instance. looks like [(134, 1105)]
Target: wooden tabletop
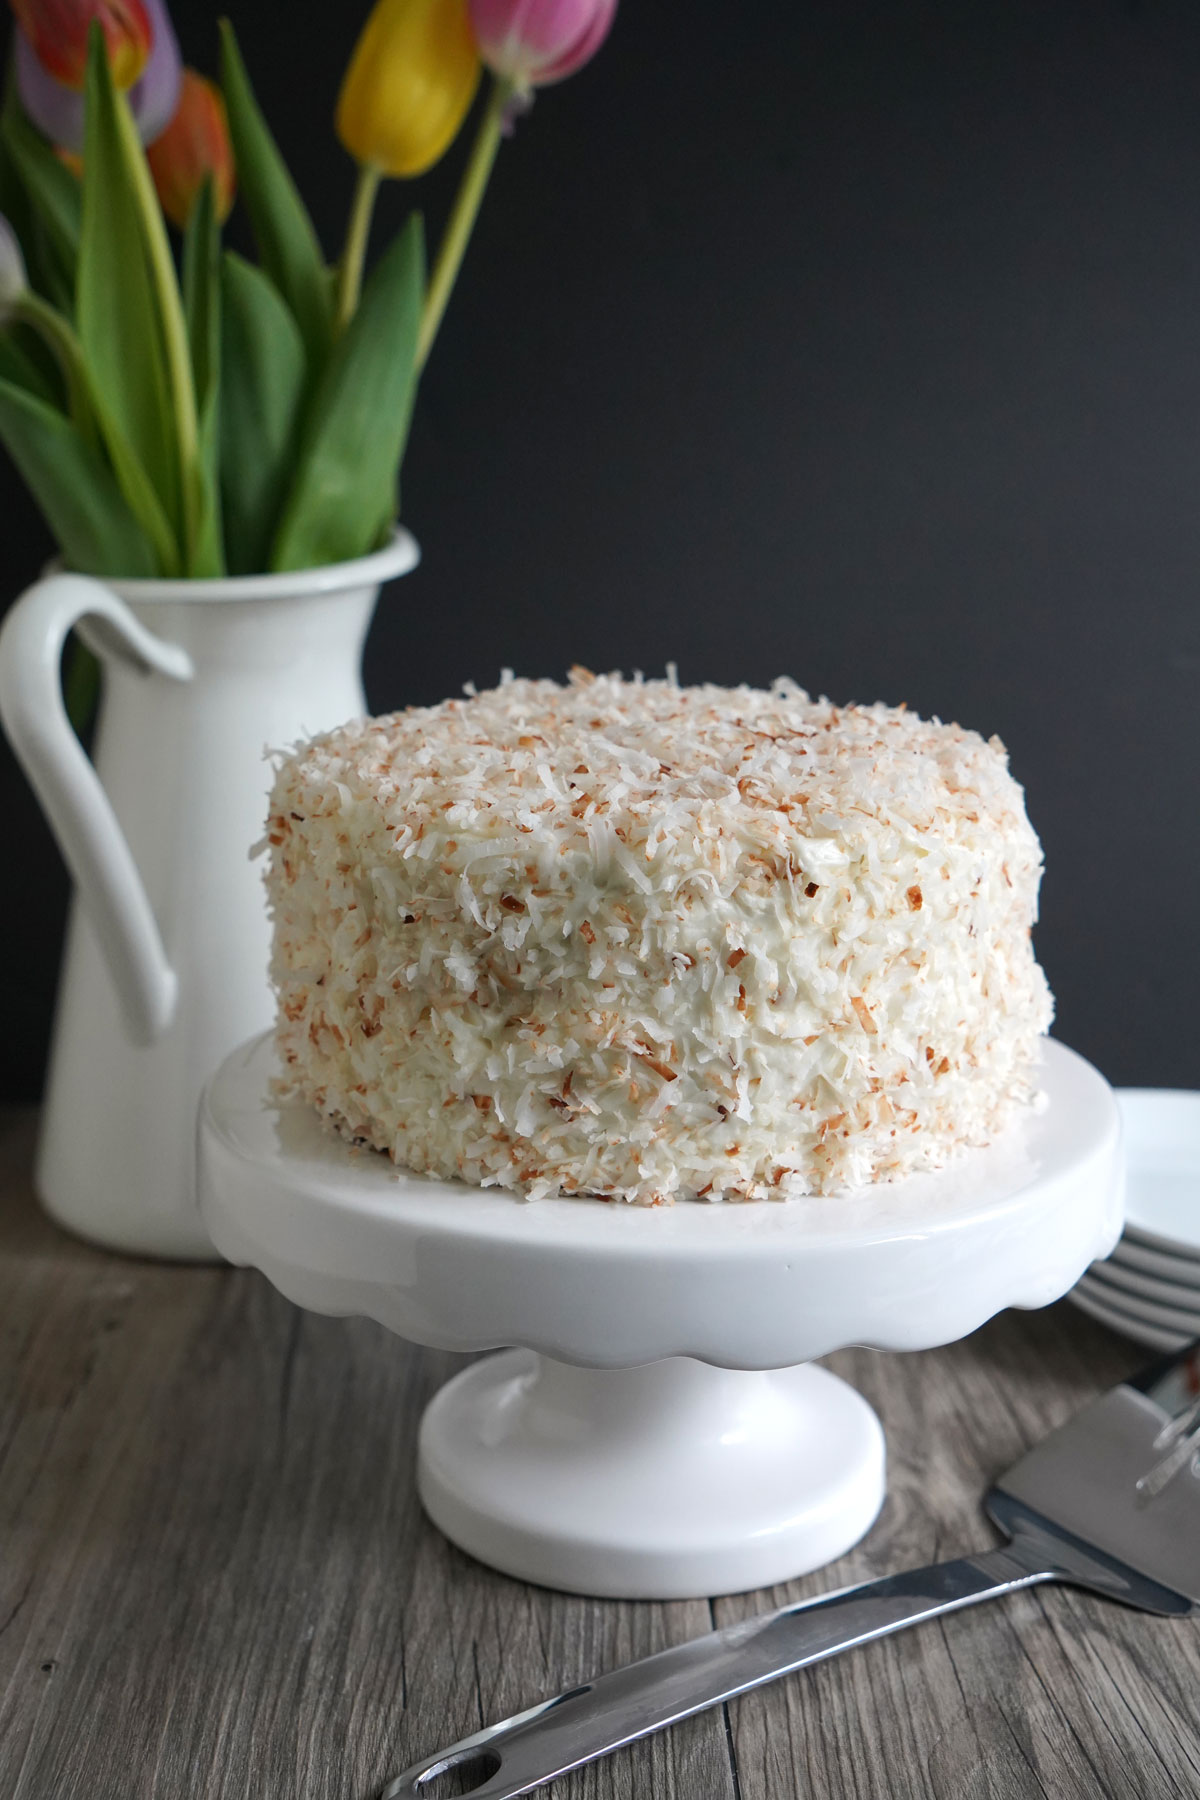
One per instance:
[(216, 1580)]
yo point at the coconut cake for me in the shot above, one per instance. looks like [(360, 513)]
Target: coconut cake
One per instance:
[(651, 942)]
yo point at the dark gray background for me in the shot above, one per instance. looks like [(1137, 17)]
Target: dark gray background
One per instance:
[(858, 341)]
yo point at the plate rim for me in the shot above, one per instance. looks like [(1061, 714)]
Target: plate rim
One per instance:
[(1155, 1337), (1139, 1284), (1150, 1312), (1188, 1099), (1136, 1255)]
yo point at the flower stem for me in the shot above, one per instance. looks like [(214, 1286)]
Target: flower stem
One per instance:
[(354, 253), (59, 336), (462, 218), (174, 327)]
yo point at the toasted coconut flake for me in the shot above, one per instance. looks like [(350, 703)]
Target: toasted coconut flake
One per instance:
[(864, 1014)]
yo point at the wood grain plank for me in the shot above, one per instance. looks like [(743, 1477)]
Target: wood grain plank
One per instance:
[(1050, 1693), (215, 1578)]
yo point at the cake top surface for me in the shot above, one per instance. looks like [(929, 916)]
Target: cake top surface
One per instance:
[(656, 759)]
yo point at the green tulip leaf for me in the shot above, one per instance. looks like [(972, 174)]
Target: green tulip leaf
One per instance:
[(53, 193), (118, 317), (345, 482), (52, 279), (287, 243), (207, 559), (262, 386), (96, 530), (22, 367), (202, 311), (202, 290)]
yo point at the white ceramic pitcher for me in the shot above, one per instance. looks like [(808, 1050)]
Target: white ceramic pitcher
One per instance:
[(166, 960)]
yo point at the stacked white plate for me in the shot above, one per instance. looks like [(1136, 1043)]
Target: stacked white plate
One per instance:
[(1149, 1288)]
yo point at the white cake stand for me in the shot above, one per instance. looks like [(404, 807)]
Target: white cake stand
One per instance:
[(658, 1433)]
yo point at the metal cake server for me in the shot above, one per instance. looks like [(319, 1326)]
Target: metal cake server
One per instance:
[(1110, 1502)]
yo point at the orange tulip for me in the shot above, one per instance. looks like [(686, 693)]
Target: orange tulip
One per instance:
[(57, 31), (194, 145)]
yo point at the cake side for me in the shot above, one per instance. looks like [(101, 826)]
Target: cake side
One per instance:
[(631, 939)]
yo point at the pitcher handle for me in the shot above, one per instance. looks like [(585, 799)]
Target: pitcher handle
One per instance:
[(80, 814)]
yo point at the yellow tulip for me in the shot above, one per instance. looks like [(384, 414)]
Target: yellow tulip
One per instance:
[(410, 84)]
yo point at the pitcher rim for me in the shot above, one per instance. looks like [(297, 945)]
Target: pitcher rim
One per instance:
[(400, 554)]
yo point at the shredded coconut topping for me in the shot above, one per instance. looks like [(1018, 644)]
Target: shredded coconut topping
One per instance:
[(629, 939)]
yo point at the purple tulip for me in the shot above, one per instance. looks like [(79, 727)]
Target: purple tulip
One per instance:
[(534, 42), (13, 280), (58, 111)]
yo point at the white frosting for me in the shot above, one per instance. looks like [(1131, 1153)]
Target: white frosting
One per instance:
[(631, 939)]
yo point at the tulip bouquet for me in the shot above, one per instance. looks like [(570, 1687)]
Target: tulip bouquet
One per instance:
[(200, 414)]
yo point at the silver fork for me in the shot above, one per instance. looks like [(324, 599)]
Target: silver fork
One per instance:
[(1110, 1501)]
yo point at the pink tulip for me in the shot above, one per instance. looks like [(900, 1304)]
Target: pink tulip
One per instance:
[(57, 110), (534, 42)]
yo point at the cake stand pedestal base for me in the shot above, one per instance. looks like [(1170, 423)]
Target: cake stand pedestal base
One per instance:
[(662, 1433), (662, 1482)]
